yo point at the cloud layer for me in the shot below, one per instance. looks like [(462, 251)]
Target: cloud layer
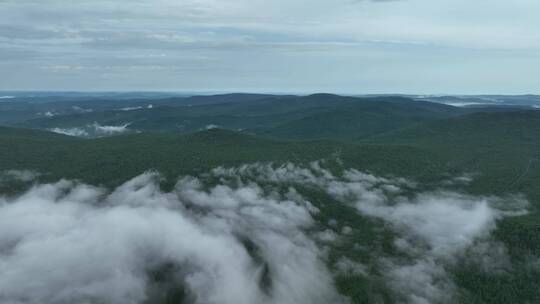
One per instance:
[(236, 235), (414, 46), (93, 130), (67, 242), (435, 229)]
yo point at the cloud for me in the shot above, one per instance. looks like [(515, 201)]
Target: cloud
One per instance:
[(245, 234), (347, 267), (130, 108), (109, 130), (93, 130), (79, 132), (69, 242), (49, 114), (82, 110), (211, 126), (199, 44), (19, 175), (447, 222), (434, 229), (422, 282)]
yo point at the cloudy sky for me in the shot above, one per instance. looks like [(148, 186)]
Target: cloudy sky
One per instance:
[(342, 46)]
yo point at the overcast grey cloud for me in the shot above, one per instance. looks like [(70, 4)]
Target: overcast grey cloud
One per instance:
[(405, 46)]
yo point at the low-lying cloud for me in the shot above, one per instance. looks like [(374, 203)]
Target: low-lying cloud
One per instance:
[(434, 229), (18, 175), (93, 130), (68, 242), (110, 130), (78, 132), (236, 235)]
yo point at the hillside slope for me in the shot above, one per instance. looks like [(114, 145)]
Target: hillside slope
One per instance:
[(318, 116), (111, 160), (504, 147), (362, 118), (482, 128)]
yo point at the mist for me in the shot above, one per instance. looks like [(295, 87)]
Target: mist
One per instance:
[(235, 235), (434, 229), (93, 130), (67, 242)]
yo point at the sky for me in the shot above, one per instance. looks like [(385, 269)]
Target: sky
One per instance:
[(301, 46)]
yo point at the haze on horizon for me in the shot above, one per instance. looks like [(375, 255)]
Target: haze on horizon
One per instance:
[(340, 46)]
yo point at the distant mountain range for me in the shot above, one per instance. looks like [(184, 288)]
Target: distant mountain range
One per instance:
[(316, 116)]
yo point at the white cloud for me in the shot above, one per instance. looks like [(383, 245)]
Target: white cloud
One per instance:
[(245, 240), (130, 108), (82, 110), (67, 242), (348, 267), (109, 130), (19, 175), (93, 130), (448, 222), (422, 282), (327, 236), (346, 230), (79, 132), (435, 228)]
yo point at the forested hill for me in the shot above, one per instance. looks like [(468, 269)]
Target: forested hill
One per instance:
[(315, 116)]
